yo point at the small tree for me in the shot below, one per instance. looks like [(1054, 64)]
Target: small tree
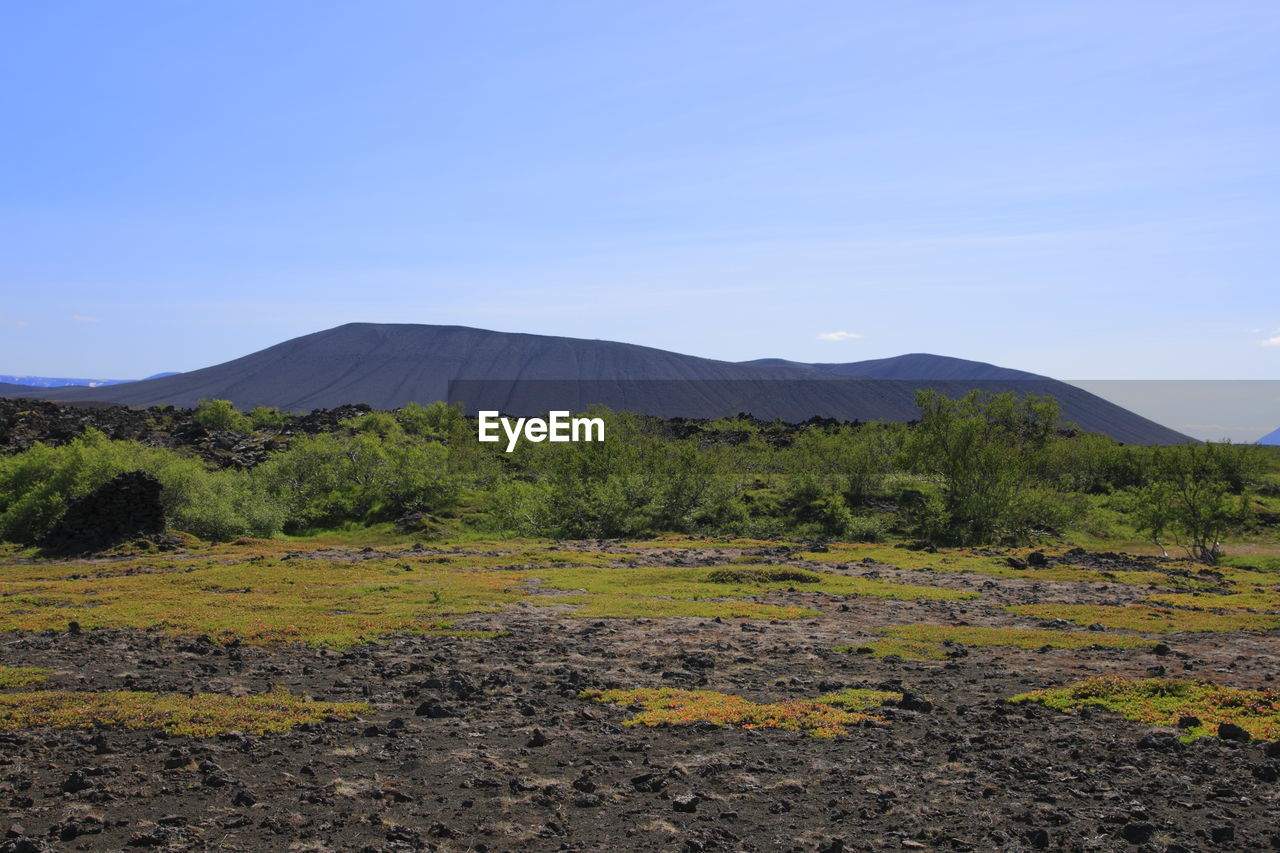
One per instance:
[(984, 448), (268, 417), (220, 414), (1197, 494)]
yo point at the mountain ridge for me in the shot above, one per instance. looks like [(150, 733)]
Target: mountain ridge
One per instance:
[(390, 365)]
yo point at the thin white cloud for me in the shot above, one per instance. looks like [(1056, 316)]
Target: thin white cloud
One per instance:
[(81, 319), (1273, 341), (838, 336)]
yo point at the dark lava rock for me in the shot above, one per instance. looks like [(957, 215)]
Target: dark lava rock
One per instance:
[(1220, 834), (1037, 558), (1230, 731), (685, 803), (649, 782), (538, 738), (434, 710), (1138, 833), (125, 507), (1163, 741), (75, 783), (915, 702), (1267, 772)]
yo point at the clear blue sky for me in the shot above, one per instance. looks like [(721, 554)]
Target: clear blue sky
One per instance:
[(1079, 189)]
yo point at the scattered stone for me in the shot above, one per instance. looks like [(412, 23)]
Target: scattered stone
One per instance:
[(685, 803), (1230, 731)]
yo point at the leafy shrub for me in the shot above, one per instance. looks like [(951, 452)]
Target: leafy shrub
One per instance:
[(221, 414), (364, 475), (37, 484), (268, 417)]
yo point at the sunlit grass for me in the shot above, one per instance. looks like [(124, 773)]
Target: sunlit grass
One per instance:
[(824, 717), (1146, 618), (269, 598), (1166, 702), (973, 561), (22, 676), (202, 715), (266, 601), (892, 647), (702, 583), (1256, 600), (928, 642), (1018, 638), (614, 606)]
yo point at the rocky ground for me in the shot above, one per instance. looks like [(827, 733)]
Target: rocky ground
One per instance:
[(486, 745)]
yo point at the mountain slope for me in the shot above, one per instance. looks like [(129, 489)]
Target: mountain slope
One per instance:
[(1271, 438), (916, 365), (389, 365)]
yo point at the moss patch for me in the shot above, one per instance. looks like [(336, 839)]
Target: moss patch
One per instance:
[(826, 716), (1143, 617), (22, 676), (928, 642), (906, 649), (642, 607), (251, 591), (977, 561), (1255, 600), (701, 583), (1167, 701), (202, 715), (771, 574)]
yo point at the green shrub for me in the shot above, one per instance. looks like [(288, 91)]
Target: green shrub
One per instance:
[(37, 484), (362, 475), (268, 417), (221, 414)]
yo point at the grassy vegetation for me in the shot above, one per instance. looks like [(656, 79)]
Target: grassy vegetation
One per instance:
[(1145, 618), (824, 717), (893, 647), (1256, 600), (258, 594), (929, 642), (616, 606), (266, 600), (22, 676), (703, 583), (987, 469), (1199, 706), (976, 561), (201, 715)]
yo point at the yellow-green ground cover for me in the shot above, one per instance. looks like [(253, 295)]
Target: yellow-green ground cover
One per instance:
[(273, 597), (824, 717), (1145, 618), (976, 562), (927, 642), (1253, 600), (201, 715), (22, 676), (1168, 701)]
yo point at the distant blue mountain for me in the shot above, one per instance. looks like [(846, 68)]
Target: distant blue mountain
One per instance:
[(58, 382), (1272, 438)]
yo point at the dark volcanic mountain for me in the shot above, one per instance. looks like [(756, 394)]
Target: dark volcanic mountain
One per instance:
[(388, 366), (1271, 438), (916, 365)]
